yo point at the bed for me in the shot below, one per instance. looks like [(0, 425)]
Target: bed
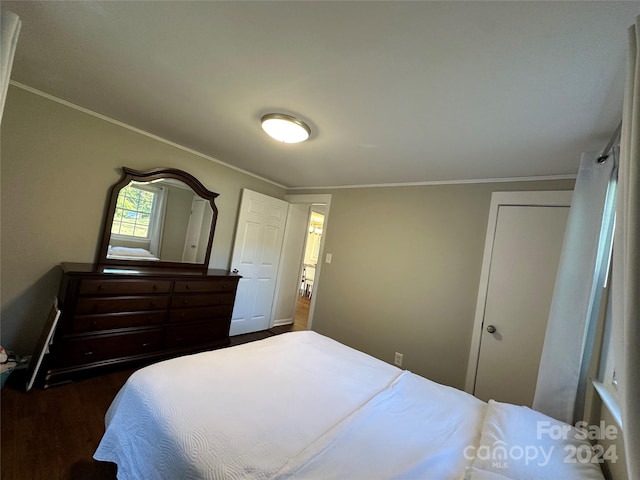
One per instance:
[(303, 406), (130, 253)]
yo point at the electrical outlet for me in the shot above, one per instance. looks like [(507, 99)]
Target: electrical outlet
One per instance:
[(398, 359), (328, 258)]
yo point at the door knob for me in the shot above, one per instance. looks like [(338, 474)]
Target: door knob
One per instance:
[(491, 329)]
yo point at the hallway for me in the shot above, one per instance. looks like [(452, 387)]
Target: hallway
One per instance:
[(302, 313)]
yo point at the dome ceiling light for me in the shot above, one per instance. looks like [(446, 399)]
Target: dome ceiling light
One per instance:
[(285, 128)]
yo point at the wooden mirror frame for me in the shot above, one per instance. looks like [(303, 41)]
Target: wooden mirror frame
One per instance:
[(129, 174)]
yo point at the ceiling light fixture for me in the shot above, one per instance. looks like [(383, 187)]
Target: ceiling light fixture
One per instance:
[(285, 128)]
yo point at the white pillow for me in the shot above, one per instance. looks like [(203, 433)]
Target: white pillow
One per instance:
[(519, 443)]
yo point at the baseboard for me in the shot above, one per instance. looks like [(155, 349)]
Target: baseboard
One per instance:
[(282, 321)]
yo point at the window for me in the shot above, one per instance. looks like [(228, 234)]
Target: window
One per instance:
[(607, 383), (611, 357), (135, 211)]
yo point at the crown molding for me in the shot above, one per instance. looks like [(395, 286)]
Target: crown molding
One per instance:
[(139, 131), (289, 189), (444, 182)]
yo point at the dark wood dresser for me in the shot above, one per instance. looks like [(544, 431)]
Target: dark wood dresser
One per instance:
[(115, 316)]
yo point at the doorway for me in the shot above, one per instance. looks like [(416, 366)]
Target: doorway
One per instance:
[(298, 283), (315, 228)]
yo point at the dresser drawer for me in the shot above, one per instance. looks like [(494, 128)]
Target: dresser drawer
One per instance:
[(223, 285), (198, 333), (202, 300), (96, 305), (123, 287), (88, 323), (202, 313), (89, 350)]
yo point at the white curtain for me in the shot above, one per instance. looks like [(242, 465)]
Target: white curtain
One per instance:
[(626, 259), (9, 30), (578, 290)]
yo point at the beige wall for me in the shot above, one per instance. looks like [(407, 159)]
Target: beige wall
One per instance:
[(405, 272), (58, 165), (176, 220)]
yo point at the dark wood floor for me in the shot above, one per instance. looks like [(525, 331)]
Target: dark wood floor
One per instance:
[(51, 434)]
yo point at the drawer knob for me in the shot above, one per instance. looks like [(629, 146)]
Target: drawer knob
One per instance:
[(145, 345), (100, 287), (88, 353), (155, 287), (185, 301), (186, 287)]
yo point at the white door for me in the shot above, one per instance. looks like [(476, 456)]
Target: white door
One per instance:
[(256, 255), (288, 286), (192, 238), (524, 242)]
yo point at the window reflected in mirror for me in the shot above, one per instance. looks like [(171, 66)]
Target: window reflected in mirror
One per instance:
[(136, 205)]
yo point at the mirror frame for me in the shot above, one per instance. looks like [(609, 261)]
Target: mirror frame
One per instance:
[(129, 174)]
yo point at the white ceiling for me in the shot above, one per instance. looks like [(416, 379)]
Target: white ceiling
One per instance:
[(395, 92)]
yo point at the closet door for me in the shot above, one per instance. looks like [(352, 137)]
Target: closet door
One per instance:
[(194, 231), (524, 241), (256, 256)]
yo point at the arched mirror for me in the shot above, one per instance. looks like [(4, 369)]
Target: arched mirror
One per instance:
[(162, 217)]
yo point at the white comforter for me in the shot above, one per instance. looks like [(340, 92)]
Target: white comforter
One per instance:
[(299, 406)]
